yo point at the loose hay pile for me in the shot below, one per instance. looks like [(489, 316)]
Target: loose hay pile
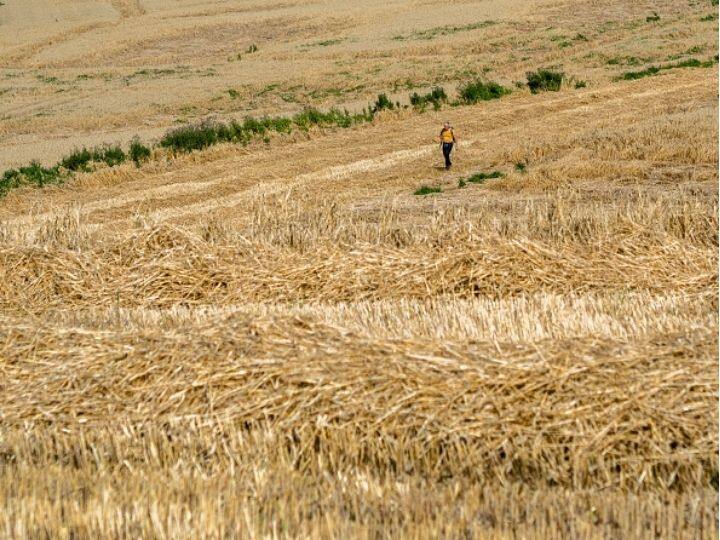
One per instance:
[(332, 259), (314, 410), (583, 413), (178, 365)]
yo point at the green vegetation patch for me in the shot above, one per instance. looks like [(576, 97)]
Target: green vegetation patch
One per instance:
[(81, 160), (139, 153), (311, 117), (479, 90), (428, 190), (480, 177), (48, 79), (33, 174), (633, 75), (207, 133), (436, 97), (544, 80), (654, 70), (382, 103)]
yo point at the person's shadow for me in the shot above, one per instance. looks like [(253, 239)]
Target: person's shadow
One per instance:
[(438, 167)]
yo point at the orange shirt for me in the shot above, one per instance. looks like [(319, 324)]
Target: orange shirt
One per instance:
[(447, 135)]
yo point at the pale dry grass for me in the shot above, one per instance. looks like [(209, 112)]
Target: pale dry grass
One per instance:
[(281, 341), (416, 413), (524, 318), (196, 47), (239, 402), (163, 265), (594, 412)]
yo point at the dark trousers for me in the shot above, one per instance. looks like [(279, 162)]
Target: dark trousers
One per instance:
[(447, 148)]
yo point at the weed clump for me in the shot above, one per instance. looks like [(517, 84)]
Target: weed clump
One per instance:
[(77, 161), (435, 97), (654, 70), (80, 160), (139, 153), (479, 90), (111, 156), (428, 190), (634, 75), (382, 103), (193, 137), (544, 80), (278, 124), (480, 177), (334, 117), (207, 133), (33, 174), (11, 179)]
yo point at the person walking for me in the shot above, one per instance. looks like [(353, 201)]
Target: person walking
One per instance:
[(447, 141)]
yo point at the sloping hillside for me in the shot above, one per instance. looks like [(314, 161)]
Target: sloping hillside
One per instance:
[(282, 339)]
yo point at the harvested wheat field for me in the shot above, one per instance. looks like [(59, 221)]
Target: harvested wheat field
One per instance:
[(276, 315)]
